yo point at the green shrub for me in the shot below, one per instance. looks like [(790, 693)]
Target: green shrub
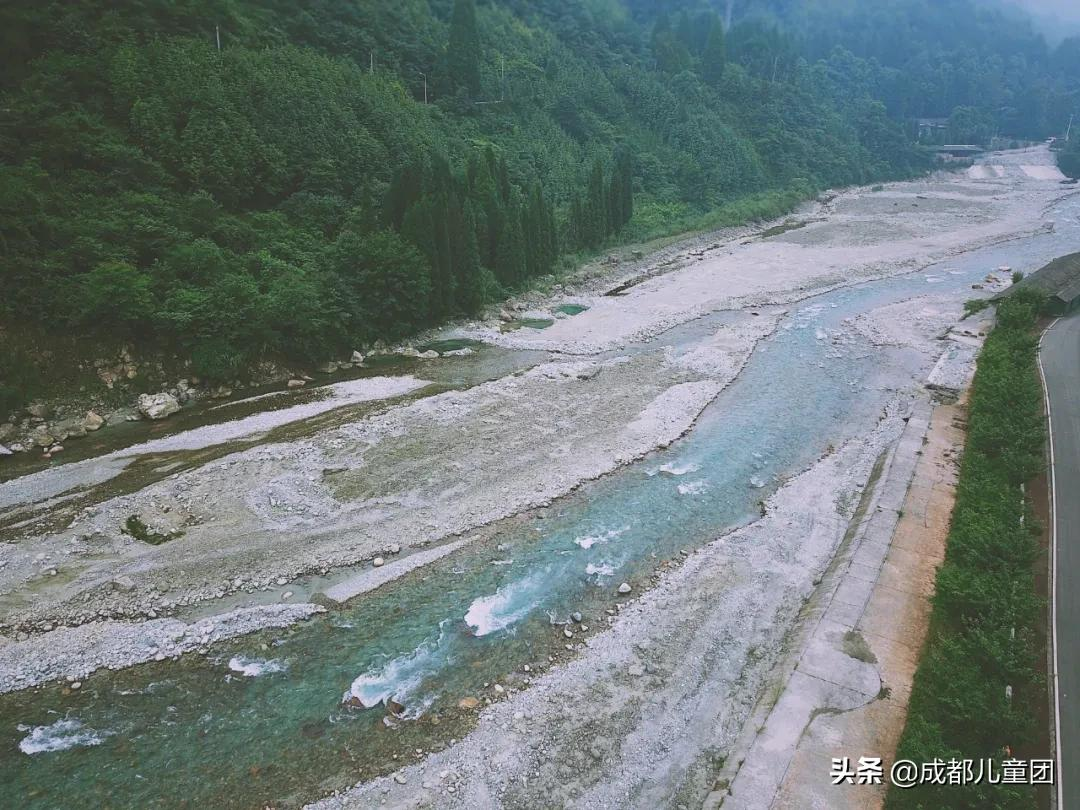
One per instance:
[(20, 378), (134, 527)]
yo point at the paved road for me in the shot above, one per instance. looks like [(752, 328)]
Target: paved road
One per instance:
[(1061, 365)]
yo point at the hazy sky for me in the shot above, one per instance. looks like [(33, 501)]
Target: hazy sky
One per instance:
[(1069, 9), (1056, 19)]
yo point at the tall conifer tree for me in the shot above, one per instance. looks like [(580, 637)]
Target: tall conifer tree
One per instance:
[(463, 49), (715, 56)]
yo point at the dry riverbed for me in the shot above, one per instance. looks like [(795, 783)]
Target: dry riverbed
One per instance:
[(650, 708)]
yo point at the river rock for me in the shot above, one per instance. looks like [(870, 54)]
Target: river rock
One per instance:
[(41, 437), (430, 354), (357, 358), (294, 383), (68, 429), (39, 410), (625, 588), (328, 368), (378, 562), (5, 452), (123, 583), (92, 421), (158, 406), (468, 703), (458, 352)]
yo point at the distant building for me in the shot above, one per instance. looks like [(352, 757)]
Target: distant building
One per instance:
[(932, 129), (1060, 280)]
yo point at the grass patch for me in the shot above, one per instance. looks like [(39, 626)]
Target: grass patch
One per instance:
[(984, 626), (134, 527)]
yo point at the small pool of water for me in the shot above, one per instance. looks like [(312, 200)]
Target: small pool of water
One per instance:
[(571, 309)]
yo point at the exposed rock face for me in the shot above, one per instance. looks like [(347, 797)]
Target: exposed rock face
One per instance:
[(158, 406)]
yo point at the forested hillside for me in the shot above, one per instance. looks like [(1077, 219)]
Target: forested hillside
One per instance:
[(235, 179)]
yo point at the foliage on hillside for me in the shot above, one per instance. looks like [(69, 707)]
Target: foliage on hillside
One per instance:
[(984, 627), (980, 69), (236, 203)]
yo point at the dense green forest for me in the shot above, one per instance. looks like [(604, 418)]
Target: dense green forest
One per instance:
[(236, 179)]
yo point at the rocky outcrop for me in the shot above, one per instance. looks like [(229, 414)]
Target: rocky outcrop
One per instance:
[(118, 370), (158, 406)]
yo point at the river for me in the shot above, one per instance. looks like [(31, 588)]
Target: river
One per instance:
[(262, 720)]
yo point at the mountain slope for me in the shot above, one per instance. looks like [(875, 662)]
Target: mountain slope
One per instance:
[(293, 194)]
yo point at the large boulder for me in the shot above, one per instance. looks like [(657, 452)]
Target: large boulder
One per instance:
[(158, 406), (92, 421), (68, 428), (41, 436)]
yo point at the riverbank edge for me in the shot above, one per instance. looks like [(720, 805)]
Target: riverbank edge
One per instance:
[(819, 674), (88, 380), (989, 574)]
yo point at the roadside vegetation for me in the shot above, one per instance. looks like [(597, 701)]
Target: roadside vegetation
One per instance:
[(1069, 158), (977, 691)]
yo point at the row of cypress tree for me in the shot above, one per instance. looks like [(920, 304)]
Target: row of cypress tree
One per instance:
[(606, 206), (480, 233)]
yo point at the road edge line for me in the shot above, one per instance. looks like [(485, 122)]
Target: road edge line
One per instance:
[(1053, 568)]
